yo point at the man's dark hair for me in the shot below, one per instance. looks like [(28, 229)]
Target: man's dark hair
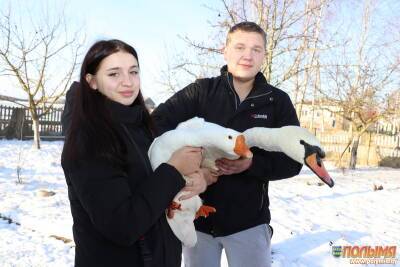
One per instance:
[(246, 26)]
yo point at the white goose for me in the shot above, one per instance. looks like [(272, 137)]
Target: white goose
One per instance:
[(296, 142), (217, 142)]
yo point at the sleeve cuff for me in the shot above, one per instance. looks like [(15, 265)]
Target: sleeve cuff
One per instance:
[(171, 177)]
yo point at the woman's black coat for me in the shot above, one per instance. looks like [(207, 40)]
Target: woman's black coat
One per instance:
[(113, 207)]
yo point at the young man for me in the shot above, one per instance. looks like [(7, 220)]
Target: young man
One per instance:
[(240, 98)]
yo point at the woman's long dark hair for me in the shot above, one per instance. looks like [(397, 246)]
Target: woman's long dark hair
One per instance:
[(92, 131)]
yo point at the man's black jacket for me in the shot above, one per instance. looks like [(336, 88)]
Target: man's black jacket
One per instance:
[(241, 200), (113, 206)]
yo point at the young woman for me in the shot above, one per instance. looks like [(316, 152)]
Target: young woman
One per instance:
[(117, 202)]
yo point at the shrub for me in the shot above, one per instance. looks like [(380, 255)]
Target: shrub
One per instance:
[(392, 162)]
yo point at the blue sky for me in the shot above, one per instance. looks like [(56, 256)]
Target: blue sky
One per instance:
[(152, 27)]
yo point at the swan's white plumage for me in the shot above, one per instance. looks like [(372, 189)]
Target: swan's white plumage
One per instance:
[(285, 139), (217, 142)]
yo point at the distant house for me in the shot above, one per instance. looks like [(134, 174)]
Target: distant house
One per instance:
[(21, 102), (394, 100), (320, 118), (389, 127), (12, 101)]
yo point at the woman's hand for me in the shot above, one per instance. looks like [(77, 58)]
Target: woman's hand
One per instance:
[(196, 184), (210, 176), (186, 160)]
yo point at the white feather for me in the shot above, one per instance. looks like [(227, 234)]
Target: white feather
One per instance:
[(217, 142)]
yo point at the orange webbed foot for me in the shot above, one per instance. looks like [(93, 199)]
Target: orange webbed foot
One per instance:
[(204, 211), (173, 206)]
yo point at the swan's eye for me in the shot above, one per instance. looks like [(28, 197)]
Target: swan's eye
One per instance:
[(230, 137), (319, 161)]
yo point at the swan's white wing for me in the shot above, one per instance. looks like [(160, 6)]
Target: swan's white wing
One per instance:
[(194, 132), (182, 222)]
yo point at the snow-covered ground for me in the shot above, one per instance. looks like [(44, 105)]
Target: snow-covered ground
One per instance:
[(307, 219)]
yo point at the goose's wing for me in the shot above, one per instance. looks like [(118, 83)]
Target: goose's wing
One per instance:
[(162, 148)]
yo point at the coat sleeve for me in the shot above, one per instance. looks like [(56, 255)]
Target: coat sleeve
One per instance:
[(122, 215), (182, 106), (276, 165)]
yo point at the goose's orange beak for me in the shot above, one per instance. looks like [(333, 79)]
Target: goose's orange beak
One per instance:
[(317, 166), (241, 149)]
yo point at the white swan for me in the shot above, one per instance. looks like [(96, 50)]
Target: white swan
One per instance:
[(296, 142), (217, 142)]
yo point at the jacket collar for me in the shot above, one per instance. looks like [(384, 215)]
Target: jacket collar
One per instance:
[(133, 114), (260, 83)]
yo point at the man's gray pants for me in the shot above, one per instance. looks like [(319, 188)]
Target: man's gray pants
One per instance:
[(251, 247)]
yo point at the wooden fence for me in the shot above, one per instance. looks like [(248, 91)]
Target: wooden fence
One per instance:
[(50, 123), (372, 148)]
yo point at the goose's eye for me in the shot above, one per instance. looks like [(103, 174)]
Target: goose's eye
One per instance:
[(230, 137)]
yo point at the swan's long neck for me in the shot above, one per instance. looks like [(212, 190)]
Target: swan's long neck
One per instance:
[(264, 138)]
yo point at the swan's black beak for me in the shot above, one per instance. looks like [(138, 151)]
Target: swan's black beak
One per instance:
[(313, 159)]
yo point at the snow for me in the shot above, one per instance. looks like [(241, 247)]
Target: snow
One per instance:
[(307, 218)]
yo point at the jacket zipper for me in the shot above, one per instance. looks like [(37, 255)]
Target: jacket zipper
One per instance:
[(264, 190), (234, 93), (257, 96)]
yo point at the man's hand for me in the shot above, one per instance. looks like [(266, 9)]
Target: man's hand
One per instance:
[(227, 166)]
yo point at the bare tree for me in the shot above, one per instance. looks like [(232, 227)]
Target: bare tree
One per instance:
[(174, 69), (307, 57), (41, 56), (322, 50), (183, 68), (292, 31), (358, 81), (292, 50)]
